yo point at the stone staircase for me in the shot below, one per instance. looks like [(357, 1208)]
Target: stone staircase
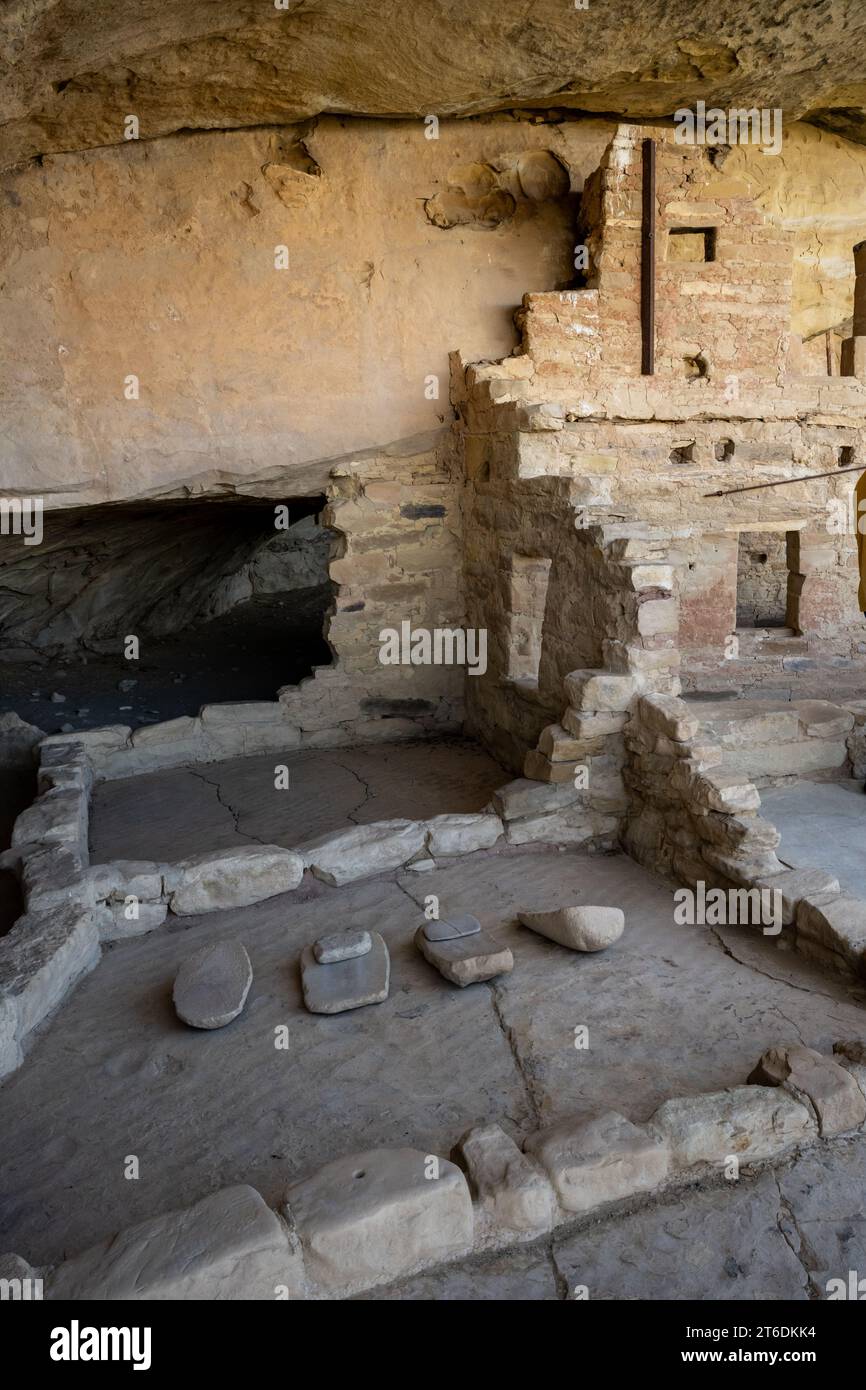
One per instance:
[(770, 741)]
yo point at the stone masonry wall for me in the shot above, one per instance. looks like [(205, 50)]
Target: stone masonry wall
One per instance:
[(395, 559)]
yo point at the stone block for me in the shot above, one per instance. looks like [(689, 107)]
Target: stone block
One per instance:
[(746, 869), (810, 1077), (466, 960), (725, 791), (589, 725), (596, 1158), (54, 878), (836, 922), (373, 1217), (599, 690), (55, 817), (786, 759), (234, 878), (573, 826), (121, 878), (109, 738), (346, 855), (669, 715), (743, 723), (462, 834), (114, 923), (540, 769), (228, 1246), (748, 833), (822, 719), (41, 958), (747, 1122), (657, 616), (62, 751), (526, 797), (796, 884), (347, 984), (507, 1183), (452, 929)]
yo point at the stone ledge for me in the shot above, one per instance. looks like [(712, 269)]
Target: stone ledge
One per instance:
[(384, 1214), (41, 959), (229, 1245)]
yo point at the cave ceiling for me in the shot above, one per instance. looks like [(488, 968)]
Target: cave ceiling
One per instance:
[(73, 70)]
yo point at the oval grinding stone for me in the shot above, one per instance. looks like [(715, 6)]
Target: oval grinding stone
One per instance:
[(452, 929), (212, 985)]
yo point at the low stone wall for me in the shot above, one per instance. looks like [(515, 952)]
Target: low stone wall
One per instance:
[(372, 1218), (72, 907), (770, 741), (694, 822)]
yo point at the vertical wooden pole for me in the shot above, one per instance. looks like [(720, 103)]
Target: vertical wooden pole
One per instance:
[(648, 259)]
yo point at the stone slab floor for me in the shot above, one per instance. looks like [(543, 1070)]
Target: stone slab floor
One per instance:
[(823, 825), (211, 806), (670, 1010)]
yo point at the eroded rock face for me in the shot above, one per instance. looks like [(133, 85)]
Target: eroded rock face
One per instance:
[(75, 72)]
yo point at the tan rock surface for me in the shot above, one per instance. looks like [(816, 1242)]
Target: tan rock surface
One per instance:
[(74, 71)]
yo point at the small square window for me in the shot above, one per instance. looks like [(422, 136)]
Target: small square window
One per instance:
[(692, 244), (683, 453)]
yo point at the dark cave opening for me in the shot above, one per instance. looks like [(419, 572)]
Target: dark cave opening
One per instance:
[(138, 613)]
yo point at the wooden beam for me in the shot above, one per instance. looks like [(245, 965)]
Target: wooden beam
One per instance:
[(648, 259)]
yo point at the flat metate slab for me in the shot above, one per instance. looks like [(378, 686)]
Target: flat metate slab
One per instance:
[(465, 960), (346, 984)]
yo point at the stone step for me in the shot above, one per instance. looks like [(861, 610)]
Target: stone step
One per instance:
[(769, 739)]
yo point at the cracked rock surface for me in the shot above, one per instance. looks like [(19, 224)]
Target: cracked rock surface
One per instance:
[(169, 815)]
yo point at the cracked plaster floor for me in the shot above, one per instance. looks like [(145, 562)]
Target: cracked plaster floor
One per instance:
[(214, 806), (670, 1010)]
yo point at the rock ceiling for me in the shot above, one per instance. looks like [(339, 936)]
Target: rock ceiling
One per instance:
[(72, 70)]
